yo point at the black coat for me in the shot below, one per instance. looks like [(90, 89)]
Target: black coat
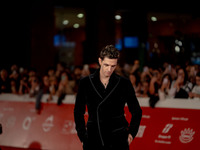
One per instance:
[(106, 119)]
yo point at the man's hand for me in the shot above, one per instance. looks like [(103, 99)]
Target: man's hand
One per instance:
[(130, 139)]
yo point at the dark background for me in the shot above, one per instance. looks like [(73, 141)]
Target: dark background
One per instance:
[(27, 42)]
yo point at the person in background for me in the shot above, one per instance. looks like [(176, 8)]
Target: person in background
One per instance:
[(13, 86), (53, 87), (146, 73), (51, 73), (85, 71), (191, 71), (76, 75), (154, 86), (60, 67), (44, 89), (24, 86), (195, 93), (144, 90), (135, 67), (53, 83), (135, 81), (66, 86), (165, 86), (105, 95), (180, 87), (14, 77), (4, 82), (34, 86), (169, 69)]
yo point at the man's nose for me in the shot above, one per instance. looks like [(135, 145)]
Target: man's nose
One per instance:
[(109, 68)]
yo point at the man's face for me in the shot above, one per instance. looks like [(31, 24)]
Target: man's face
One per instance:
[(198, 80), (107, 66)]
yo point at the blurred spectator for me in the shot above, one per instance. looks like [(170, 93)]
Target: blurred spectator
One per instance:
[(147, 72), (34, 86), (191, 74), (127, 69), (13, 86), (195, 93), (165, 86), (13, 70), (76, 75), (53, 82), (14, 73), (53, 87), (66, 86), (119, 70), (32, 72), (60, 67), (14, 79), (51, 73), (23, 72), (4, 82), (170, 69), (144, 90), (154, 86), (44, 89), (85, 71), (136, 66), (24, 86), (135, 81), (180, 86)]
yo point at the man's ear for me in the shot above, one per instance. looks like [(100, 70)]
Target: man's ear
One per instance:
[(100, 61)]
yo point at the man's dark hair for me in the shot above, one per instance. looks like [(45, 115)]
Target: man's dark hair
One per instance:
[(110, 52)]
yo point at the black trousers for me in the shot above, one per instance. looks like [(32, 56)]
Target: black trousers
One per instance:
[(110, 147), (113, 142)]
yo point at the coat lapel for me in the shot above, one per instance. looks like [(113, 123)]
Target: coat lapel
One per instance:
[(96, 84)]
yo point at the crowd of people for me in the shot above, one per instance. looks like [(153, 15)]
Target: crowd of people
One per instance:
[(155, 82)]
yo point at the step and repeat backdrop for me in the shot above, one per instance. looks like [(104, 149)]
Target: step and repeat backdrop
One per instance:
[(173, 124)]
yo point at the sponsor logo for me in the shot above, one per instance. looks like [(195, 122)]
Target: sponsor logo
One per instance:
[(141, 131), (69, 127), (186, 135), (48, 124)]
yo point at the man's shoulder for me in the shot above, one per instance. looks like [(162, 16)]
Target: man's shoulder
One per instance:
[(122, 78), (85, 78)]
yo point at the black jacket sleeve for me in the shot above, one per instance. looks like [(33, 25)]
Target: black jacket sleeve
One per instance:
[(79, 112), (134, 109)]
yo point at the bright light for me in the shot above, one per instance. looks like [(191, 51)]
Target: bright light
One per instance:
[(177, 49), (76, 25), (65, 22), (117, 17), (180, 43), (176, 41), (153, 18), (80, 15), (156, 45)]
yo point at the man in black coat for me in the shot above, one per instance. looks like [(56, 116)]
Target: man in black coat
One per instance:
[(104, 94)]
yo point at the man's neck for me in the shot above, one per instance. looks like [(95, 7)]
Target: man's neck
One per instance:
[(104, 79)]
